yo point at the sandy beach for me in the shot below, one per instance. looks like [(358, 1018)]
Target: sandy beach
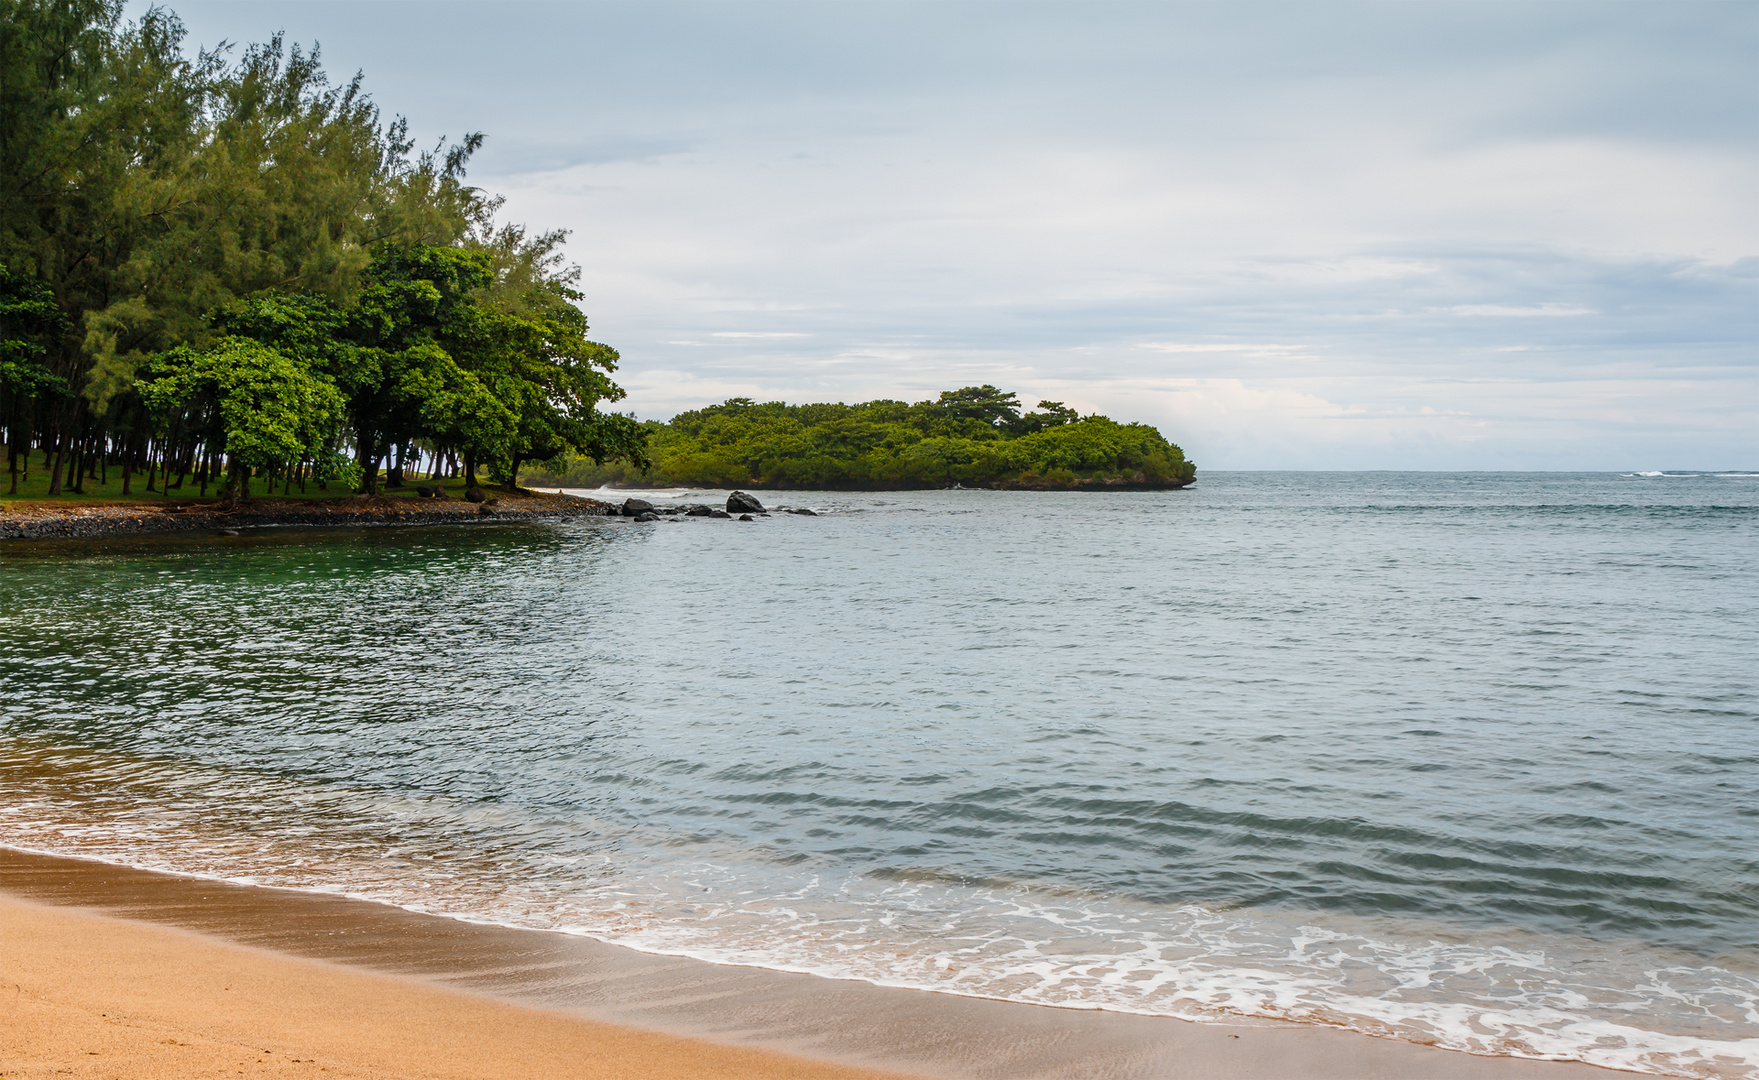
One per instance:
[(114, 972), (98, 997)]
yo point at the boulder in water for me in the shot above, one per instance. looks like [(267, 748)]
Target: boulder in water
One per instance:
[(741, 503), (637, 507), (804, 512), (719, 514)]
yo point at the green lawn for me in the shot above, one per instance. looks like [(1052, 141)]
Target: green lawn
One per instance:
[(35, 488)]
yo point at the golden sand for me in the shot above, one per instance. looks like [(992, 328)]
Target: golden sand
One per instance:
[(87, 996)]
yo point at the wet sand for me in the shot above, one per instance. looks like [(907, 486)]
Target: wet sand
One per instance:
[(113, 972), (108, 998)]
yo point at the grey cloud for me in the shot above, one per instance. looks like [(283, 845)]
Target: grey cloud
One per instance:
[(1038, 194)]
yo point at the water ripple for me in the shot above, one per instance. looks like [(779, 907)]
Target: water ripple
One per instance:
[(1458, 759)]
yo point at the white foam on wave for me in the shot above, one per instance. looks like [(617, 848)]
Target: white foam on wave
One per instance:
[(1509, 993), (1200, 964), (1523, 997)]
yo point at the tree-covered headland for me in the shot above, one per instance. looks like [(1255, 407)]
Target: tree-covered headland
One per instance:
[(977, 436), (221, 267), (226, 268)]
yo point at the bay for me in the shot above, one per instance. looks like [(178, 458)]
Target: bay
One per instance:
[(1465, 758)]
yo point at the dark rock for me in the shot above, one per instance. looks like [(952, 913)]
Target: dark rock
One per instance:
[(746, 517), (667, 510), (804, 512), (719, 514), (430, 491), (637, 507), (741, 503), (485, 508), (474, 494), (697, 509), (647, 515)]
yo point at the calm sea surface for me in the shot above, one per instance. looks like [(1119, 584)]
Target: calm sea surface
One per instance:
[(1465, 758)]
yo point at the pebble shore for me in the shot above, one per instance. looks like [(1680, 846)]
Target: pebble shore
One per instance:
[(74, 520)]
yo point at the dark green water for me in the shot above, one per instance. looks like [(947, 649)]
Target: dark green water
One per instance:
[(1462, 758)]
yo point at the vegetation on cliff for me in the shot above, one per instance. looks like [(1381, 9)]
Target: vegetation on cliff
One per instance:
[(977, 436), (214, 268)]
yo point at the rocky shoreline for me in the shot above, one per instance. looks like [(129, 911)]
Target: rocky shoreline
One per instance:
[(1015, 484), (74, 520)]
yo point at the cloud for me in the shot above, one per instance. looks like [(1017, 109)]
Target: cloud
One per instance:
[(1369, 235), (1511, 312), (1184, 347)]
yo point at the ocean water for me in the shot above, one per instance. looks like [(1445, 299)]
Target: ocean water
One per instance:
[(1465, 759)]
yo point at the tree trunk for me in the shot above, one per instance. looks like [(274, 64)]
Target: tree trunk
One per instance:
[(368, 453), (513, 474), (238, 485), (55, 472), (76, 468)]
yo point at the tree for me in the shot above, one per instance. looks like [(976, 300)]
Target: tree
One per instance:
[(985, 404), (405, 381), (554, 382), (258, 407), (891, 444), (173, 207), (30, 324), (1048, 415)]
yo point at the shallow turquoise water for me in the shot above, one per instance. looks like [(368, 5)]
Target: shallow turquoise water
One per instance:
[(1469, 757)]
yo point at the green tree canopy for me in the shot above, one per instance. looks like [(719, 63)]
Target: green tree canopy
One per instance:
[(261, 407), (973, 437), (170, 209)]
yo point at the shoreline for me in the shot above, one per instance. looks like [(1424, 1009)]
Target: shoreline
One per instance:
[(73, 520), (154, 1003), (865, 489), (740, 1011)]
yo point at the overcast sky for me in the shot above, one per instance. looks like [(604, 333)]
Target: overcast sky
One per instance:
[(1307, 235)]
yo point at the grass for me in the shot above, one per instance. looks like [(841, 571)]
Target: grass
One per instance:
[(34, 487)]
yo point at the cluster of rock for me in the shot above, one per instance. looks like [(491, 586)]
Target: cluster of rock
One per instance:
[(739, 504), (73, 520)]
